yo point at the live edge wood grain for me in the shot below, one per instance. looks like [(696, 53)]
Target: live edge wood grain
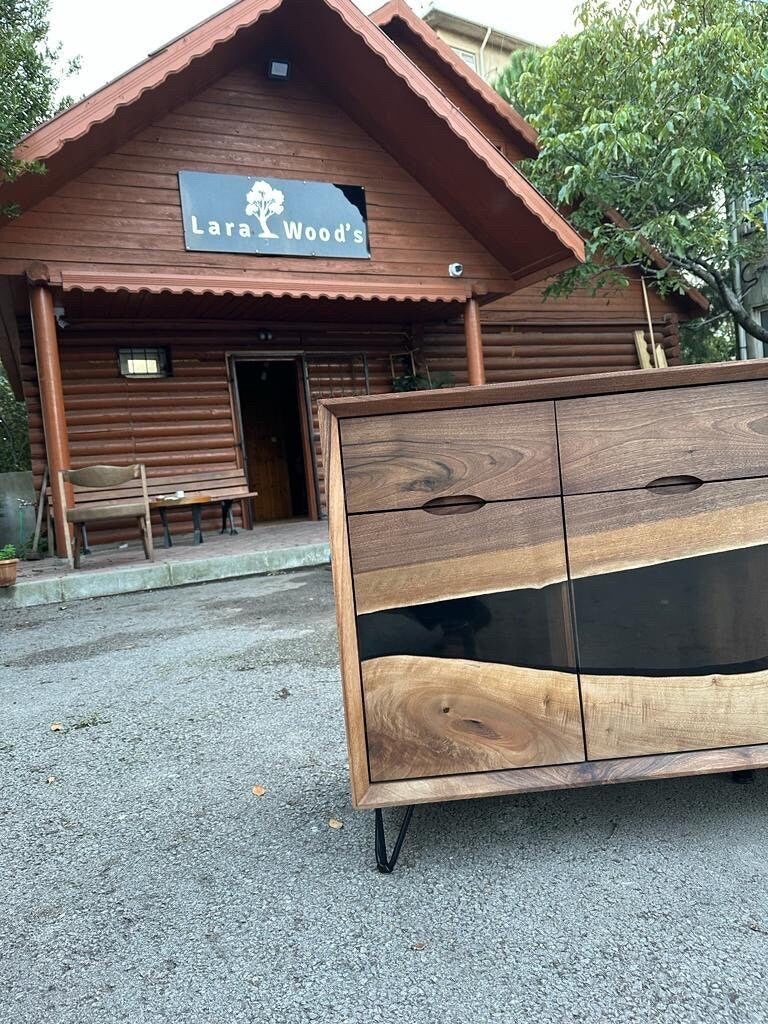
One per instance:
[(438, 716), (632, 715), (413, 557), (404, 461), (606, 533), (625, 441), (630, 529)]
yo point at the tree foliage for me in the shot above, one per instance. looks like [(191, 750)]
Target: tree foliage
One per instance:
[(657, 109), (30, 73), (14, 435)]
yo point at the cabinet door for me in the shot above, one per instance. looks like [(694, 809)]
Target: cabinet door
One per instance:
[(669, 589), (465, 645), (717, 432), (493, 453)]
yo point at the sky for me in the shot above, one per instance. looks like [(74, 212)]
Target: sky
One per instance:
[(109, 37)]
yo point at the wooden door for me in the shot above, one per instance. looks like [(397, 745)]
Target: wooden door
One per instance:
[(669, 587), (267, 461), (273, 438)]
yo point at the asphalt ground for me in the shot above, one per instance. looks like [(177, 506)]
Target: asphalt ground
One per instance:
[(143, 881)]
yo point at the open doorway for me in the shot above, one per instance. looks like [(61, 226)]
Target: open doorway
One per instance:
[(275, 438)]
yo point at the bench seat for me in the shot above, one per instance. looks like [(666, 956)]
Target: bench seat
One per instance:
[(222, 487)]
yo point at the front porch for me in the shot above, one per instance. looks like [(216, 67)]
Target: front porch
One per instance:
[(121, 569)]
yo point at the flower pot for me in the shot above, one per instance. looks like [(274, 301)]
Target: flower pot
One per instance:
[(8, 572)]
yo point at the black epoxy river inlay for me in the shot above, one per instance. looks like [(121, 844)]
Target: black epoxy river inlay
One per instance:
[(695, 616), (517, 627)]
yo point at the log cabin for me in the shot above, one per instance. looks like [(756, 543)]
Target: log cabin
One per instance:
[(251, 221)]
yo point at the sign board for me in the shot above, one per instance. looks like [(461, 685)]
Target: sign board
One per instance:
[(273, 216)]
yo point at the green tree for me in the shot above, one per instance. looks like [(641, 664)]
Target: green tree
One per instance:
[(657, 109), (31, 71)]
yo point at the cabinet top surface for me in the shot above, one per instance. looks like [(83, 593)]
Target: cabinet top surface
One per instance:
[(541, 390)]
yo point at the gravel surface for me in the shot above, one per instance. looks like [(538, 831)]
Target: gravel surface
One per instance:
[(143, 881)]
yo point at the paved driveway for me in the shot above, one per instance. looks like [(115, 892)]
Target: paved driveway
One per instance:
[(142, 881)]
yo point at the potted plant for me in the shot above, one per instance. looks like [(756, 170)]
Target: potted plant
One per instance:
[(8, 565)]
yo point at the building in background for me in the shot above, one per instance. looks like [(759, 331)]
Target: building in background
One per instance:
[(199, 281), (484, 48)]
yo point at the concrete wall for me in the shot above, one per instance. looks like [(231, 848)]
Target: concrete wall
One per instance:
[(16, 492)]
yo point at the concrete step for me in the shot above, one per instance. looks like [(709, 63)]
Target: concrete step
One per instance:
[(77, 586)]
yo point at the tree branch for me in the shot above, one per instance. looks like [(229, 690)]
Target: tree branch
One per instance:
[(710, 275)]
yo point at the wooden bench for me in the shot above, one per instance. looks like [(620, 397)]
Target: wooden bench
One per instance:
[(200, 488)]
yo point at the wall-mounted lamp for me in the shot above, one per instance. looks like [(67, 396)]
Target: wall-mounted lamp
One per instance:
[(279, 69)]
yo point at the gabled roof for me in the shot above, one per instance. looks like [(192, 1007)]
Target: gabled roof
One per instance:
[(397, 14), (389, 96)]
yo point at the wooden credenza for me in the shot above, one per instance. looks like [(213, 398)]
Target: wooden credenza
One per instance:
[(551, 584)]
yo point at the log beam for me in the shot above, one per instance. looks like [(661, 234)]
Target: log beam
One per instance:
[(51, 398), (474, 340)]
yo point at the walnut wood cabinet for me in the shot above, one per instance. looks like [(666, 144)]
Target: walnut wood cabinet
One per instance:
[(551, 584)]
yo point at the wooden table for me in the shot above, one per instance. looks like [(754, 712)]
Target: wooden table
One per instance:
[(192, 501), (551, 584)]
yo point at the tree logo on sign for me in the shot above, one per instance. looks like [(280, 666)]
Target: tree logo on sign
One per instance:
[(263, 202)]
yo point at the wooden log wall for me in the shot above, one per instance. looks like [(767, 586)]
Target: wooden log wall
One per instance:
[(527, 337), (187, 420)]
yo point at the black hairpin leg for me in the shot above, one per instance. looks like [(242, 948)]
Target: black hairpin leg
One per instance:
[(387, 864)]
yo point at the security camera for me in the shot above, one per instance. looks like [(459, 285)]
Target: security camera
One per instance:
[(61, 316), (455, 269)]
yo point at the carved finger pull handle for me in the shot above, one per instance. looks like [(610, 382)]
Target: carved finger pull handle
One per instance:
[(453, 505), (674, 484)]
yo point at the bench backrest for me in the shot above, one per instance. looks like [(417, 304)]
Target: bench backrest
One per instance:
[(220, 485), (93, 477)]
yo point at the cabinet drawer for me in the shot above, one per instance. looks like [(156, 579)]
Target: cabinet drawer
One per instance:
[(414, 557), (669, 596), (718, 432), (464, 639), (497, 452)]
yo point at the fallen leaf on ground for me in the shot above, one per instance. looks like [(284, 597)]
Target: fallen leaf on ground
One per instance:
[(51, 778), (56, 727), (419, 945), (335, 823), (258, 790)]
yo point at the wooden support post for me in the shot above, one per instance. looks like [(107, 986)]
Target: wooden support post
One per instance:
[(51, 395), (474, 340)]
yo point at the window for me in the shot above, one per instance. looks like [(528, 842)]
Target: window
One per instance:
[(467, 56), (144, 362)]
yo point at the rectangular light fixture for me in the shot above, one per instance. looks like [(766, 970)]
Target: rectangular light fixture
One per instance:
[(279, 69)]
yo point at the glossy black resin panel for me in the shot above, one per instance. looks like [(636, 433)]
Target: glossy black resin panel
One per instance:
[(694, 616), (527, 628)]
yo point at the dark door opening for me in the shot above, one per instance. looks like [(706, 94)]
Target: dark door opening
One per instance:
[(273, 442)]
